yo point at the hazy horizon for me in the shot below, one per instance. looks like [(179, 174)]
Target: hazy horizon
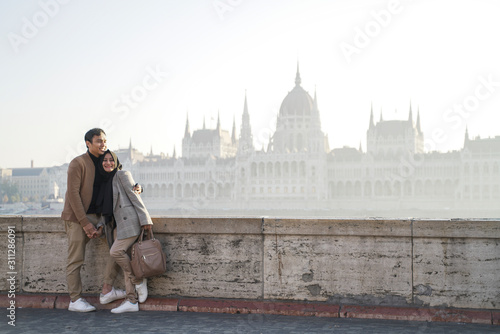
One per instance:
[(139, 69)]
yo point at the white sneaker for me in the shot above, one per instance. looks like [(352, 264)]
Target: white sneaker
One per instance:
[(81, 305), (126, 306), (111, 296), (142, 290)]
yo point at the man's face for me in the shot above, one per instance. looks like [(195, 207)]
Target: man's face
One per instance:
[(98, 145)]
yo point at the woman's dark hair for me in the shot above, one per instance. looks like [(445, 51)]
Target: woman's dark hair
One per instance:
[(93, 132)]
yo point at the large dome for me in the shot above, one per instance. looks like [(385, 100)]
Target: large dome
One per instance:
[(298, 127), (298, 102)]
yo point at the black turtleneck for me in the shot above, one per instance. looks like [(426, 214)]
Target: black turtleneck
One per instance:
[(97, 184)]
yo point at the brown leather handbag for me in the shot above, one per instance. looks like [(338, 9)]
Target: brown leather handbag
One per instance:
[(148, 258)]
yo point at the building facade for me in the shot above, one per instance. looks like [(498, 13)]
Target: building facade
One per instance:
[(220, 171)]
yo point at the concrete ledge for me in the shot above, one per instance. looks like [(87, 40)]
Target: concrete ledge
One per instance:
[(207, 225), (160, 304), (417, 314), (337, 227), (30, 301), (269, 307), (245, 307), (495, 316), (470, 228)]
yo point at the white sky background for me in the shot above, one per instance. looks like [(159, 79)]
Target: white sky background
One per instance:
[(71, 74)]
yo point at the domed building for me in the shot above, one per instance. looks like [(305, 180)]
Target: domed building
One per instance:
[(298, 173), (298, 127)]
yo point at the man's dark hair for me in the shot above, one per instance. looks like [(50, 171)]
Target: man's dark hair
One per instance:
[(93, 132)]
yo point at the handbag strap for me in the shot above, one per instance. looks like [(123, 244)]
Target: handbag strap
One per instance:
[(148, 236)]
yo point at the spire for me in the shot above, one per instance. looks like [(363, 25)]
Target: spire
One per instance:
[(360, 147), (410, 116), (418, 121), (466, 139), (316, 120), (233, 134), (204, 123), (187, 131), (175, 154), (372, 124), (381, 117), (297, 76), (245, 106), (245, 144), (218, 121), (151, 153), (315, 99)]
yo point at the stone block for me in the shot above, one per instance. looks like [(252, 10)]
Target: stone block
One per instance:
[(211, 265), (457, 272), (207, 225), (470, 228), (349, 269), (338, 227), (11, 250)]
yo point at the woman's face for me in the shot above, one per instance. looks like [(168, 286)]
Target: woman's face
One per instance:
[(108, 163)]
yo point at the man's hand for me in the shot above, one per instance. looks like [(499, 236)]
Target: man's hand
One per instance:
[(90, 231), (147, 227), (137, 189)]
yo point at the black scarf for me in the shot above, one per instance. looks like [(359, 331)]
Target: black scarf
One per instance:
[(96, 185), (104, 200)]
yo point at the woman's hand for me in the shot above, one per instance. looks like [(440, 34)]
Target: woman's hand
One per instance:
[(98, 233)]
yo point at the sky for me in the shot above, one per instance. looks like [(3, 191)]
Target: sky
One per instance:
[(139, 69)]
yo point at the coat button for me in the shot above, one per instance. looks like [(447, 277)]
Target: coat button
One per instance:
[(124, 218)]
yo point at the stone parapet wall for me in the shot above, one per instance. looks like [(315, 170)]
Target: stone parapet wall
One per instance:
[(396, 262)]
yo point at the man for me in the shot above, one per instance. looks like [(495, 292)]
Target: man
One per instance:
[(80, 218)]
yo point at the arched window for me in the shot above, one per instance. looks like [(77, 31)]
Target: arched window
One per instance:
[(349, 190), (340, 189), (486, 169), (368, 189), (378, 188), (302, 169), (270, 169), (357, 189), (396, 188), (407, 188), (262, 170), (294, 168)]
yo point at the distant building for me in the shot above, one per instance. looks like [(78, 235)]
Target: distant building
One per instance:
[(32, 183), (37, 184), (221, 171)]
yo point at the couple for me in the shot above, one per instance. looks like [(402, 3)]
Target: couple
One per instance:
[(99, 197)]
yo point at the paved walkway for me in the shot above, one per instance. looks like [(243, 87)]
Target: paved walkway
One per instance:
[(59, 321)]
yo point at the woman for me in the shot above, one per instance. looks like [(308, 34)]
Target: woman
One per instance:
[(121, 205)]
